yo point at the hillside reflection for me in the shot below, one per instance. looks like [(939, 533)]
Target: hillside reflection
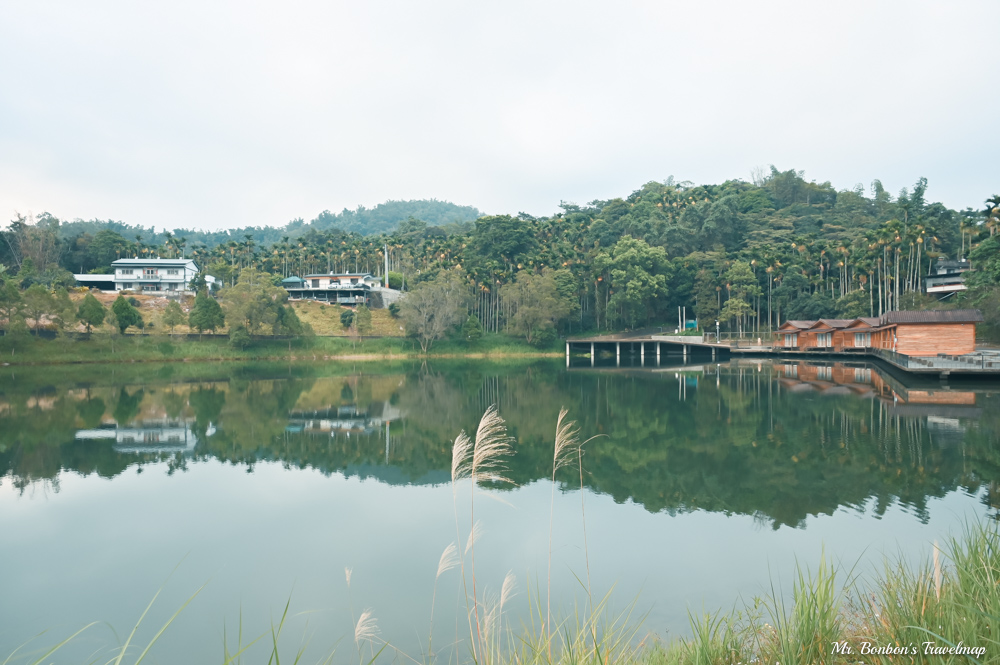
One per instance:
[(773, 440)]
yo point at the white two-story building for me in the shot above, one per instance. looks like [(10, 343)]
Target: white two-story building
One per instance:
[(154, 274), (145, 275)]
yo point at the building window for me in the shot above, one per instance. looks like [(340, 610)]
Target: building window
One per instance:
[(824, 339), (126, 271), (126, 285), (862, 340), (150, 272), (172, 271), (791, 340), (315, 283)]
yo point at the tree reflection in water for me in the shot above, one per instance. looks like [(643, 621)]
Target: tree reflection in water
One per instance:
[(773, 440)]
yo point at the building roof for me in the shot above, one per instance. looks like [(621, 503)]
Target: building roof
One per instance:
[(340, 274), (151, 262), (833, 323), (802, 325), (933, 316), (94, 278), (292, 280), (952, 263)]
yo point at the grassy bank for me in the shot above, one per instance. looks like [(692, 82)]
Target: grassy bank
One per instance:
[(103, 348)]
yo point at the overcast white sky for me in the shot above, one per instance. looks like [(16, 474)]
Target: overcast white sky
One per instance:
[(213, 114)]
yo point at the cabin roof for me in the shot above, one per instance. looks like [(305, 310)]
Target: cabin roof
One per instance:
[(831, 324), (933, 316), (800, 325)]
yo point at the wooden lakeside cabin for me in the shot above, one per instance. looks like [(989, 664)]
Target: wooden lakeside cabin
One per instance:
[(916, 334)]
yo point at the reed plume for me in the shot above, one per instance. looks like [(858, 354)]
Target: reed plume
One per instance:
[(449, 559), (461, 458), (365, 631), (366, 628), (564, 452), (481, 460), (475, 534)]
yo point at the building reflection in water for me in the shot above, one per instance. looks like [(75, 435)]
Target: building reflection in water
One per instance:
[(147, 436)]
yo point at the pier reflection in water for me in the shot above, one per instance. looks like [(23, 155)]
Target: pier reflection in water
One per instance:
[(702, 477)]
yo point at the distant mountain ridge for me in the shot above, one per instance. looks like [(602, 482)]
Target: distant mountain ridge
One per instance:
[(382, 218)]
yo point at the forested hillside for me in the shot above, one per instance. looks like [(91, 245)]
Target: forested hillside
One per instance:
[(383, 218), (748, 253)]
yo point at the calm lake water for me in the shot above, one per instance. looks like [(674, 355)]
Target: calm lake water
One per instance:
[(264, 482)]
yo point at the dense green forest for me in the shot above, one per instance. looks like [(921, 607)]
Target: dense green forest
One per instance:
[(383, 218), (748, 253)]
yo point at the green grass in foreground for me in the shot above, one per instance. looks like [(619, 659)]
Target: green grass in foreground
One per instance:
[(143, 348)]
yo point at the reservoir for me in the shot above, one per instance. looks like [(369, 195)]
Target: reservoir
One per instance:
[(270, 485)]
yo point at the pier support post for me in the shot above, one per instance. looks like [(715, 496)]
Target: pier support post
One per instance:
[(642, 353), (567, 353), (657, 354), (591, 354), (618, 353)]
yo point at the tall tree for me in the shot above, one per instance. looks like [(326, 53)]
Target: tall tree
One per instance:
[(253, 303), (206, 314), (125, 314), (38, 303), (431, 309), (91, 312), (536, 304), (173, 315), (639, 275)]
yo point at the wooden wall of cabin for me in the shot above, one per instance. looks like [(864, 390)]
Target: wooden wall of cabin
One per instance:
[(930, 339)]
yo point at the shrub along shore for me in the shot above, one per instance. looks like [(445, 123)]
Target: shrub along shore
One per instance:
[(105, 348)]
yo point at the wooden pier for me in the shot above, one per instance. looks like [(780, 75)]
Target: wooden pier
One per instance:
[(650, 350)]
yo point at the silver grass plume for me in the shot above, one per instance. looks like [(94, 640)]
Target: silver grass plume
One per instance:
[(366, 628), (491, 449), (507, 590), (567, 443), (461, 457), (448, 560), (474, 535), (483, 459)]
